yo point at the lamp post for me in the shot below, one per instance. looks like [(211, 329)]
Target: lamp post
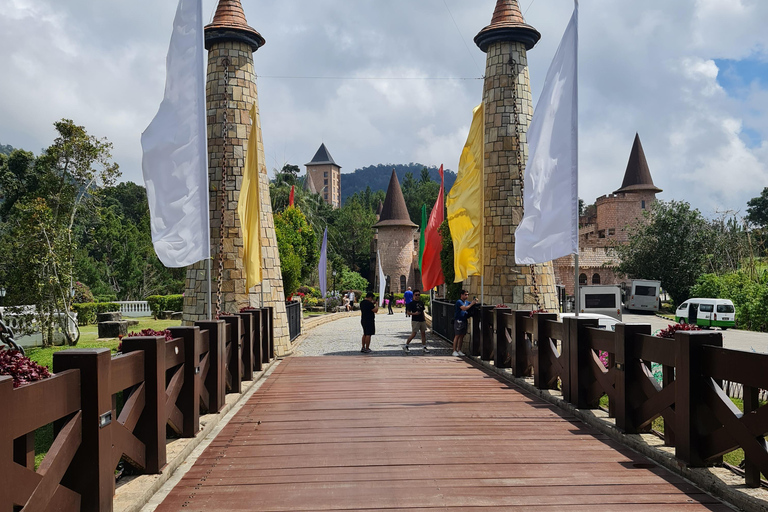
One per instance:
[(334, 282), (2, 294)]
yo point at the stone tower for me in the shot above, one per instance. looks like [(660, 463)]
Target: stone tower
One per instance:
[(230, 94), (395, 242), (325, 174), (508, 111)]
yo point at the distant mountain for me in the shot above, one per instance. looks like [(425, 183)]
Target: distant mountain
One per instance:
[(377, 177), (6, 150)]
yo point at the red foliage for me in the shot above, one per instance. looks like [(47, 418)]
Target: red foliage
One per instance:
[(247, 308), (501, 306), (151, 332), (21, 368), (542, 310), (669, 332)]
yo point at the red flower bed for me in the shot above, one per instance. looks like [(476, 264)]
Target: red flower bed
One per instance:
[(21, 368), (670, 331)]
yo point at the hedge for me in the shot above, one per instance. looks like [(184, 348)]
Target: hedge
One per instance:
[(87, 311), (158, 303)]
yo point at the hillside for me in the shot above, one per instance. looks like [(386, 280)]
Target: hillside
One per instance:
[(377, 177), (5, 149)]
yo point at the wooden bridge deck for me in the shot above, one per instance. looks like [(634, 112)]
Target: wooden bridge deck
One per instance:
[(419, 434)]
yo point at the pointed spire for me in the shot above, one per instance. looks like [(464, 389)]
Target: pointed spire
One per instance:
[(229, 24), (323, 157), (394, 212), (507, 24), (380, 209), (637, 176)]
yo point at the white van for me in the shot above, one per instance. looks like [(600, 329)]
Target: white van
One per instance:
[(602, 299), (707, 313), (643, 295)]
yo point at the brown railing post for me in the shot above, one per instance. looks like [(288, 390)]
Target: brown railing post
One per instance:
[(271, 331), (501, 347), (751, 397), (581, 360), (91, 473), (487, 329), (215, 382), (628, 374), (688, 388), (258, 349), (476, 340), (189, 396), (542, 364), (247, 356), (7, 446), (519, 354), (234, 357), (150, 428), (265, 330)]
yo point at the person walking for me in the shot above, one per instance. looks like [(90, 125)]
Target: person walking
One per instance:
[(415, 309), (408, 297), (461, 321), (351, 297), (368, 310), (391, 302)]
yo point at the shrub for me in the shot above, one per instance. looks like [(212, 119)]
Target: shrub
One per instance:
[(21, 368), (145, 333), (174, 302), (86, 312), (82, 293), (156, 304)]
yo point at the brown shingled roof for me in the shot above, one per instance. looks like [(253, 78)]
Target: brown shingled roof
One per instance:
[(229, 23), (394, 212), (507, 24), (637, 177)]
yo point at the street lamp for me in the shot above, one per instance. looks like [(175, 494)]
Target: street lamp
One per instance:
[(334, 282)]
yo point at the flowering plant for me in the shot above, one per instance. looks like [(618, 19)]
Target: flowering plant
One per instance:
[(21, 368), (670, 331), (144, 332), (386, 301), (400, 302)]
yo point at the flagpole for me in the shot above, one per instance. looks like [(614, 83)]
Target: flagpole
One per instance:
[(576, 283)]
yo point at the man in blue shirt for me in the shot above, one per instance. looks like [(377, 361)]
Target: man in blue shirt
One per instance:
[(461, 321), (408, 296)]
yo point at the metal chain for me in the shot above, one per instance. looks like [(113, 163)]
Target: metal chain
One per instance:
[(223, 183), (521, 174)]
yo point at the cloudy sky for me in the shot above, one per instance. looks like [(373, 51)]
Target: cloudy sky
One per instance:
[(395, 81)]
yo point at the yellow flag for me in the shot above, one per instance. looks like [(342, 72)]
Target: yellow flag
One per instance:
[(249, 207), (465, 203)]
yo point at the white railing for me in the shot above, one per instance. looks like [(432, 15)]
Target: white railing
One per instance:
[(134, 308), (25, 324)]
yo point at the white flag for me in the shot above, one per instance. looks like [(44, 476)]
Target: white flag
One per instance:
[(549, 228), (322, 265), (382, 281), (175, 162)]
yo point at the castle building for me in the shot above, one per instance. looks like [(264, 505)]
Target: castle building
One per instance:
[(230, 94), (607, 224), (396, 242), (508, 111), (325, 176)]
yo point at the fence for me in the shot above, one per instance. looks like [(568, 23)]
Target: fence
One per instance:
[(25, 323), (442, 318), (293, 310), (134, 308), (587, 363), (158, 384)]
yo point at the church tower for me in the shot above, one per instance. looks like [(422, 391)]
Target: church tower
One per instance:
[(508, 111), (230, 94)]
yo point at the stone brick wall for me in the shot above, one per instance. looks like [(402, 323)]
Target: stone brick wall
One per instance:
[(243, 94), (396, 248), (505, 281)]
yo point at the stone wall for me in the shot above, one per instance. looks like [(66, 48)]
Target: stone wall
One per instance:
[(505, 281), (234, 296), (396, 247)]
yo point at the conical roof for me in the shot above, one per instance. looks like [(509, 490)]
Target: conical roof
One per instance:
[(507, 24), (229, 24), (380, 209), (309, 185), (394, 212), (637, 177), (323, 157)]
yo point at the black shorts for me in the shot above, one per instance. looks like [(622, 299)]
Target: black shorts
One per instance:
[(464, 326), (369, 328)]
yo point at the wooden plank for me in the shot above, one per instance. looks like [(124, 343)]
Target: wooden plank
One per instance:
[(348, 433)]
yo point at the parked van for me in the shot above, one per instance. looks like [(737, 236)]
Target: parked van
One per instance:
[(707, 313), (602, 299), (643, 295)]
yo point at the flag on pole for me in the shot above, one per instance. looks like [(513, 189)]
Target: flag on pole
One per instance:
[(249, 207), (465, 203), (290, 198), (382, 281), (432, 270), (322, 267), (549, 228), (421, 235), (174, 145)]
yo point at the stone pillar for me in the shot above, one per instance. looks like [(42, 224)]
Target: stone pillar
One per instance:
[(396, 249)]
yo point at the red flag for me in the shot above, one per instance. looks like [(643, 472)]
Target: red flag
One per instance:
[(432, 272), (290, 198)]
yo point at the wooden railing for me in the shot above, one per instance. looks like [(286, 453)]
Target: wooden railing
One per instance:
[(293, 310), (587, 363), (108, 408)]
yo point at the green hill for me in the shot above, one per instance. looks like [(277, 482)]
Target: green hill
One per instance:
[(377, 177), (5, 149)]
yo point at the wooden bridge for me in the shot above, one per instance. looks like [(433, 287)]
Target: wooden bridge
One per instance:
[(384, 433)]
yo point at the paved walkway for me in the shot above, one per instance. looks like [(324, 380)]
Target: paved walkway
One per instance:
[(418, 433)]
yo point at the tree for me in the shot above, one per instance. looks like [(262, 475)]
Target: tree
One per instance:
[(757, 210), (297, 245), (49, 197), (671, 245), (351, 234), (453, 290)]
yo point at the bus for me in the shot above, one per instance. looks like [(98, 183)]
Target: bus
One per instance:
[(602, 299), (643, 295)]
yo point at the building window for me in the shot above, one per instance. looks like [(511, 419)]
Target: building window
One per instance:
[(642, 205), (325, 182), (582, 279), (402, 283), (595, 278), (325, 174), (601, 233), (611, 231)]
